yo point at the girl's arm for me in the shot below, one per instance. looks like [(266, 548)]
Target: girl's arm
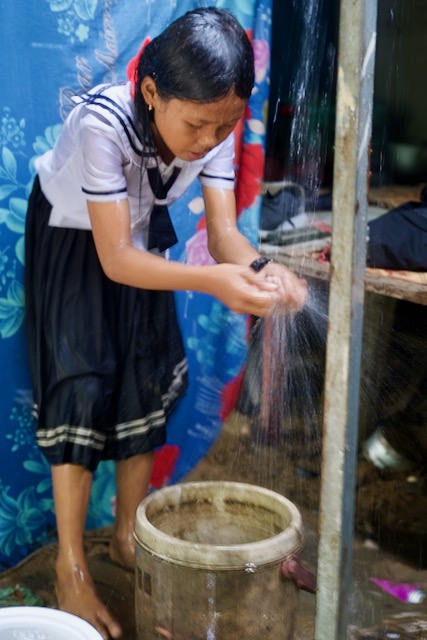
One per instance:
[(236, 286), (225, 242)]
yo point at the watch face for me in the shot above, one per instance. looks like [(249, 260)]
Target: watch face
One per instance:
[(259, 263)]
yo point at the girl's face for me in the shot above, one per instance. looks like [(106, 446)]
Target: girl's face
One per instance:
[(189, 130)]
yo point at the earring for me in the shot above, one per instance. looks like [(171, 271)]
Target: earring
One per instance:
[(150, 107)]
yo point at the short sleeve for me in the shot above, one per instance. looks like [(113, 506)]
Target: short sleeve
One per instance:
[(218, 172), (101, 161)]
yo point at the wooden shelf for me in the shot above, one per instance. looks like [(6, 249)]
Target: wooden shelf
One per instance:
[(302, 258), (385, 285)]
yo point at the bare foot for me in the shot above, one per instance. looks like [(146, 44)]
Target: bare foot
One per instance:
[(76, 593), (162, 632), (122, 550)]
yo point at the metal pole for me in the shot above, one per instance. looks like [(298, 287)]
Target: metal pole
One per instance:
[(357, 39)]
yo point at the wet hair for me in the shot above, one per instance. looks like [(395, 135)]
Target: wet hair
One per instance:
[(202, 56)]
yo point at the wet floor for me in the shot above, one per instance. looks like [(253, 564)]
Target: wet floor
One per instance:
[(395, 552)]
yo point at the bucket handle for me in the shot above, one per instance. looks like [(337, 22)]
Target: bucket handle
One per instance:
[(294, 570)]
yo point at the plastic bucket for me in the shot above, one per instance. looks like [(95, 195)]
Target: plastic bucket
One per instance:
[(208, 563), (40, 623)]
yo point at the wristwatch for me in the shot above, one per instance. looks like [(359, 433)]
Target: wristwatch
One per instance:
[(260, 263)]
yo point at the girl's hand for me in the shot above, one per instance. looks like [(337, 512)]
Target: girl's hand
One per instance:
[(274, 289), (292, 291), (241, 289)]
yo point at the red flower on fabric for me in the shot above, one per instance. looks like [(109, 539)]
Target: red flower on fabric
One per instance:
[(238, 137), (201, 224), (249, 175), (165, 460), (229, 395)]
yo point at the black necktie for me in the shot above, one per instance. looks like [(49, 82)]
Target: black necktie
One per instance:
[(161, 233)]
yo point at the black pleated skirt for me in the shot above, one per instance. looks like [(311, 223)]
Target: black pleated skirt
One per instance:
[(107, 360)]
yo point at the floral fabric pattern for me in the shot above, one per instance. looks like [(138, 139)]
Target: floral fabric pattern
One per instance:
[(54, 50)]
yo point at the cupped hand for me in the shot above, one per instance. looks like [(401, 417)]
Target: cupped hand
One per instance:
[(242, 290), (292, 291)]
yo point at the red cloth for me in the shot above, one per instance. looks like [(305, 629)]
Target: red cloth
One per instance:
[(132, 68)]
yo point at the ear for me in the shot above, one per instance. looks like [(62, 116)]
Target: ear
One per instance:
[(149, 90)]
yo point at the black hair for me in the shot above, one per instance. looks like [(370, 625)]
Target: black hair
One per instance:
[(202, 56)]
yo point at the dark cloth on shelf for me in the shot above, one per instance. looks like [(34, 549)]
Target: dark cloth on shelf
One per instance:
[(398, 239), (281, 207)]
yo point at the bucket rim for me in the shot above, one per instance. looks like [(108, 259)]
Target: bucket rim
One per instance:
[(251, 556), (53, 620)]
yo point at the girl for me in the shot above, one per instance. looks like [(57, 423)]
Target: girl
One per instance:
[(107, 359)]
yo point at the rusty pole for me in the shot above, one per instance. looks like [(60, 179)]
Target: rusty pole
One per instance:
[(356, 57)]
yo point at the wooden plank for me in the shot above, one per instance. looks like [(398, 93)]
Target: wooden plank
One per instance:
[(396, 288), (382, 285)]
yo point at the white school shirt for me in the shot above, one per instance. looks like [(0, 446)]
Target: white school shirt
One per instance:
[(98, 157)]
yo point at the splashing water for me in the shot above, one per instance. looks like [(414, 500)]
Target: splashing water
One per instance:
[(282, 392), (303, 76), (307, 142)]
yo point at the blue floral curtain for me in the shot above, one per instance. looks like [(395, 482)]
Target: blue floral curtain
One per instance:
[(50, 50)]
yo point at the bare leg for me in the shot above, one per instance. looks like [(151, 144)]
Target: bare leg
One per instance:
[(75, 589), (132, 480)]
